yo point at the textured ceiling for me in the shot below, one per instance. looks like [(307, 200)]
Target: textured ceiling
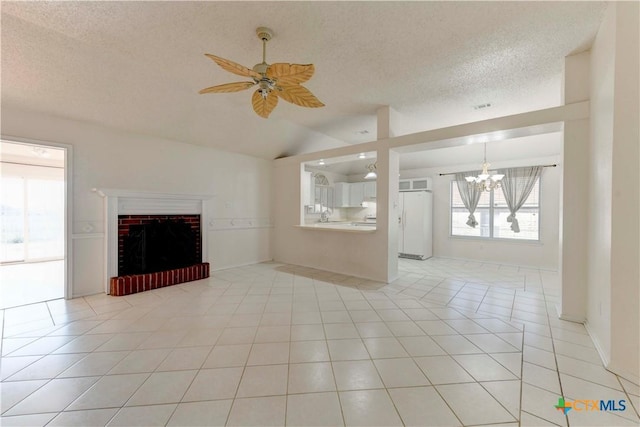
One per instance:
[(138, 66)]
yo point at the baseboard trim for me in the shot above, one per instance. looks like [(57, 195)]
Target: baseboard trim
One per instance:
[(629, 376), (569, 318), (227, 267), (596, 342), (606, 360)]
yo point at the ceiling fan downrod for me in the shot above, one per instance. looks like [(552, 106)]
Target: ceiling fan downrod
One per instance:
[(266, 85)]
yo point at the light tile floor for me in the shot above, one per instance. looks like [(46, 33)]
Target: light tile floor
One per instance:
[(31, 282), (448, 343)]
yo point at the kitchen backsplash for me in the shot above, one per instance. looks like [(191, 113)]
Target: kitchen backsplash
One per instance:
[(346, 214)]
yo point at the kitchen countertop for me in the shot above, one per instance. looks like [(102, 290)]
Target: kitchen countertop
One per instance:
[(346, 226)]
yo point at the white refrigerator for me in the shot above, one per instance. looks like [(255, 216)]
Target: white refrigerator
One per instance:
[(415, 233)]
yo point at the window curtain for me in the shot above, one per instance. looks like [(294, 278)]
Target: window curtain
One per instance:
[(516, 187), (470, 196)]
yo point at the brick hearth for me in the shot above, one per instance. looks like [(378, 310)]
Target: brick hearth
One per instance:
[(126, 285)]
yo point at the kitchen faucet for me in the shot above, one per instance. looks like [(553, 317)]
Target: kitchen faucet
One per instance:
[(324, 216)]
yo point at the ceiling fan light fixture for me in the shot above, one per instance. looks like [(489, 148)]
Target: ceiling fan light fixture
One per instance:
[(277, 80)]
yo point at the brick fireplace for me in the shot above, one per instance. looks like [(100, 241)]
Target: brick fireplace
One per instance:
[(153, 240)]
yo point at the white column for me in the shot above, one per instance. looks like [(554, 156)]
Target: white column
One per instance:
[(575, 194), (391, 205), (574, 220), (388, 123)]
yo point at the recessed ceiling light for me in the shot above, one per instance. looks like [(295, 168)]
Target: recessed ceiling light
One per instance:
[(482, 106), (321, 162), (362, 156)]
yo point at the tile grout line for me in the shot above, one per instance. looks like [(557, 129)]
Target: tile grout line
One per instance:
[(553, 347), (335, 381)]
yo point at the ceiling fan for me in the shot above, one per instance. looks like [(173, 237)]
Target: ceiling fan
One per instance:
[(278, 80)]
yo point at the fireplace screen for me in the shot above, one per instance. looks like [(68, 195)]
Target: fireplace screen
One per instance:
[(153, 244)]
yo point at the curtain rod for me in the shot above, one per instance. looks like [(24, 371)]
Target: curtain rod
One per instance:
[(453, 173)]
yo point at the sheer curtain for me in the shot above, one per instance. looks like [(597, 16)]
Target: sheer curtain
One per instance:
[(470, 196), (516, 187)]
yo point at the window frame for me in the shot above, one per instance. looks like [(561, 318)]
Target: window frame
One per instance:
[(453, 186)]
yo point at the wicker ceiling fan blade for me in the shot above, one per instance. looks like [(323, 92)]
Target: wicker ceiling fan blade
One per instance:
[(290, 74), (234, 67), (264, 106), (299, 95), (228, 87)]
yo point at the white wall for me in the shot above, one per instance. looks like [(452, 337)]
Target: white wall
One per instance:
[(542, 254), (625, 247), (109, 158), (599, 181), (613, 307), (358, 254)]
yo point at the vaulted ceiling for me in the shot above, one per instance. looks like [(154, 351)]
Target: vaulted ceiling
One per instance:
[(138, 66)]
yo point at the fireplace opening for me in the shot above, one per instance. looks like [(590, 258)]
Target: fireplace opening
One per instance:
[(153, 243)]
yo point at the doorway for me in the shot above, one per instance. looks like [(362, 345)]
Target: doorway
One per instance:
[(33, 223)]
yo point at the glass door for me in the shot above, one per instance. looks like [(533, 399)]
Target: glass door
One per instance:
[(32, 223), (32, 215), (12, 224)]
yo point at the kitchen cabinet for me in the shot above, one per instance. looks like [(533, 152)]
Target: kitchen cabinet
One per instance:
[(369, 190), (341, 194), (415, 184), (307, 190), (356, 194)]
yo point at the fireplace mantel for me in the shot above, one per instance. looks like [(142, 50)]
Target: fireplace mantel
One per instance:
[(127, 202)]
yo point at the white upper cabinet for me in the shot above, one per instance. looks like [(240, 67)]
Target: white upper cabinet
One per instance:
[(341, 194), (353, 195), (307, 192), (356, 194), (369, 190), (415, 184)]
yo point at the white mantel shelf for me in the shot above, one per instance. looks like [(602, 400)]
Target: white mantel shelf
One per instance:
[(114, 192)]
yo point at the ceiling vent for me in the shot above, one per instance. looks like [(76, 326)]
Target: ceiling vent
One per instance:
[(481, 106)]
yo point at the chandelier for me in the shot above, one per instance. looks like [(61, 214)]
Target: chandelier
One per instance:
[(485, 181)]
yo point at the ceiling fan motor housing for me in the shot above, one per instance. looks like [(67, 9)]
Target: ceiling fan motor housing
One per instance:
[(264, 33), (261, 68)]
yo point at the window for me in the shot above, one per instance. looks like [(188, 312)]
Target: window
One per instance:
[(492, 213)]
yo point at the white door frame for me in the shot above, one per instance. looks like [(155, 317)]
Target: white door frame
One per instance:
[(68, 205)]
